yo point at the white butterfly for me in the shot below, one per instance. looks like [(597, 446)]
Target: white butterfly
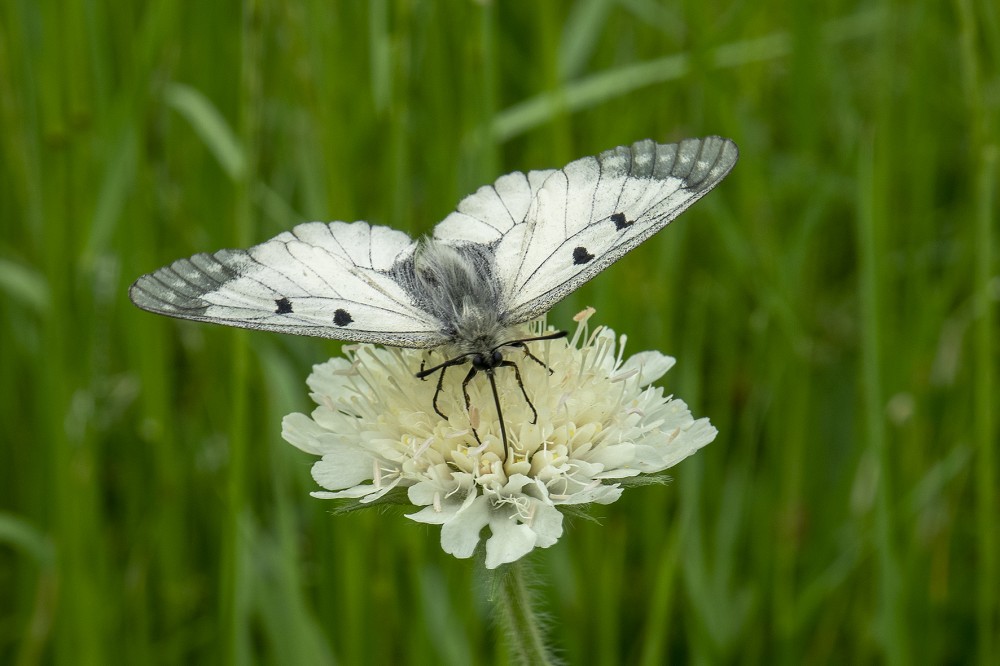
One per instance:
[(507, 255)]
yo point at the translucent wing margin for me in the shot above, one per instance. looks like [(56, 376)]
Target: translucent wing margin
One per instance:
[(586, 216), (326, 280)]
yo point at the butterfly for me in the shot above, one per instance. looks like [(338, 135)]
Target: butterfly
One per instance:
[(509, 252)]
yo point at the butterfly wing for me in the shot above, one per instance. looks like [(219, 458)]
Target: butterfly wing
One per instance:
[(488, 214), (327, 280), (552, 231), (549, 231)]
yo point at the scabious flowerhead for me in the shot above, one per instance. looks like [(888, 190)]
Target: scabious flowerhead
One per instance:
[(599, 422)]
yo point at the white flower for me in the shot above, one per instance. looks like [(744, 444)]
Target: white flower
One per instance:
[(598, 421)]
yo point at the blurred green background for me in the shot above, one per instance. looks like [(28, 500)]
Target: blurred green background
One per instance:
[(832, 305)]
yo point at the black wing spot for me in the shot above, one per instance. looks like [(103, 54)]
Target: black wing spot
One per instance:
[(620, 221), (284, 306), (581, 256), (342, 317)]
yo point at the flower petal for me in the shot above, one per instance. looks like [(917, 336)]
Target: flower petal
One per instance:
[(460, 535), (303, 433), (547, 523), (342, 467), (381, 491), (362, 491), (600, 493), (432, 515), (510, 541), (330, 378), (440, 506), (679, 444), (651, 366)]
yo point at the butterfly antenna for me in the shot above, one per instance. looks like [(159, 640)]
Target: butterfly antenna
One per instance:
[(548, 336), (457, 360)]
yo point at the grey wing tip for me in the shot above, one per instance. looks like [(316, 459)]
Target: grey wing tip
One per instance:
[(136, 294), (702, 163), (727, 152), (146, 293), (152, 295), (141, 292), (175, 290)]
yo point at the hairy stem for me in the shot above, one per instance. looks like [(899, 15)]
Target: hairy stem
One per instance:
[(521, 625)]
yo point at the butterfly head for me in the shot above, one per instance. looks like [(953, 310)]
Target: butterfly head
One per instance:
[(486, 362)]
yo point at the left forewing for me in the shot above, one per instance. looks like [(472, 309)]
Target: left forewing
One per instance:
[(327, 280)]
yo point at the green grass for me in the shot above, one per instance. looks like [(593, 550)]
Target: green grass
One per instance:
[(833, 308)]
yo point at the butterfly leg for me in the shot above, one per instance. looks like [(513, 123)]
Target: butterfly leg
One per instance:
[(473, 371), (426, 372), (522, 344), (437, 391), (517, 374), (527, 352), (465, 386), (496, 399)]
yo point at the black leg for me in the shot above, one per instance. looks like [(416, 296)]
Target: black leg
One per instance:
[(496, 399), (468, 401), (475, 434), (465, 386), (517, 374), (427, 372), (528, 353), (437, 391)]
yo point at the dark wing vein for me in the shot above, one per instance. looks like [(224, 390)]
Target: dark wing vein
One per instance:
[(683, 175)]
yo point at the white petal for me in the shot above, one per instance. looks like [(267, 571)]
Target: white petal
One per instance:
[(350, 493), (440, 511), (585, 468), (651, 366), (302, 432), (620, 472), (335, 421), (330, 378), (460, 535), (656, 456), (381, 491), (700, 433), (613, 456), (547, 524), (515, 483), (344, 466), (431, 516), (423, 493), (510, 541), (602, 494)]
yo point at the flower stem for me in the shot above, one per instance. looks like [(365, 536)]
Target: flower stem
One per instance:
[(522, 627)]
